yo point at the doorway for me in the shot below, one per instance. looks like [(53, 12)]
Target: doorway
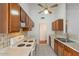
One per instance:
[(43, 32)]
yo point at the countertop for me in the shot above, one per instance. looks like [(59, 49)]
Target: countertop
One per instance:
[(16, 52), (74, 46)]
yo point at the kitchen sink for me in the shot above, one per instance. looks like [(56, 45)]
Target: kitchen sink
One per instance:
[(67, 40)]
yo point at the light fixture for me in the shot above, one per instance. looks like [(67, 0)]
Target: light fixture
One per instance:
[(14, 12), (46, 11)]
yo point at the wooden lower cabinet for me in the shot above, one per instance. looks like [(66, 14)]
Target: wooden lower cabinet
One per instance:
[(60, 49), (67, 51), (63, 50), (56, 46)]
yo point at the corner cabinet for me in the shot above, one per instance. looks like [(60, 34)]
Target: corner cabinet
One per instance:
[(9, 18), (57, 25)]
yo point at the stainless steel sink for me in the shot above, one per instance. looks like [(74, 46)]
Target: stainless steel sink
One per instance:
[(67, 40)]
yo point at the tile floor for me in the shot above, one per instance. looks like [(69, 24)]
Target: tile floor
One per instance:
[(44, 50)]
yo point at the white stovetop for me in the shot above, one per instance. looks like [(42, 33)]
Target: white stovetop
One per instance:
[(18, 51)]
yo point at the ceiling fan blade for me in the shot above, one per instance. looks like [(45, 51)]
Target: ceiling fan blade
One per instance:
[(50, 12), (55, 5), (40, 5), (41, 11)]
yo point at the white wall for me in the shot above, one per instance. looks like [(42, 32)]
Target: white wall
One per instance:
[(33, 10), (73, 18)]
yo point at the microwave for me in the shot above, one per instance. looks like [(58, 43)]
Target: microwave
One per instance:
[(23, 24)]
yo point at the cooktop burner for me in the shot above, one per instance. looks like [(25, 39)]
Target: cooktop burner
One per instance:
[(25, 40), (21, 45), (30, 41), (28, 45)]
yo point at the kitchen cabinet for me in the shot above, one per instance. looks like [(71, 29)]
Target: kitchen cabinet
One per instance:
[(9, 18), (57, 25), (60, 49), (56, 46), (27, 20), (23, 15), (14, 17), (23, 20), (28, 24), (70, 52), (63, 50), (67, 51)]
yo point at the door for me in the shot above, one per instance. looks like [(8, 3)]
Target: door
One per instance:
[(43, 32)]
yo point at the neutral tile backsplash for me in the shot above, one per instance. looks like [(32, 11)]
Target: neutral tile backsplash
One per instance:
[(70, 35), (5, 38), (73, 36)]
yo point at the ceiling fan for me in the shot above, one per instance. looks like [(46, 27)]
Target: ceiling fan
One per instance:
[(47, 9)]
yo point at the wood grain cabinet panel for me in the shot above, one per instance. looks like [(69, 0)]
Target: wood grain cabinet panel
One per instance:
[(23, 15), (14, 19), (67, 51), (56, 46), (63, 50), (57, 25), (9, 23), (3, 18), (60, 49), (11, 15)]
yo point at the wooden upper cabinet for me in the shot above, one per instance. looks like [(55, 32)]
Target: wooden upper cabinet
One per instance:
[(57, 25), (27, 21), (23, 15), (14, 17), (3, 18), (11, 15), (9, 18)]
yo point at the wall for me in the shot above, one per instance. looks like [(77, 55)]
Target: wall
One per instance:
[(73, 18), (59, 12)]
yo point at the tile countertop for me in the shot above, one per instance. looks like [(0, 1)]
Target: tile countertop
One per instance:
[(17, 51), (74, 46)]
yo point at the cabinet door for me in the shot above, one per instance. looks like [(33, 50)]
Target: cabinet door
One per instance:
[(56, 46), (27, 21), (60, 49), (14, 17), (30, 27), (58, 25), (67, 51), (23, 15), (3, 18)]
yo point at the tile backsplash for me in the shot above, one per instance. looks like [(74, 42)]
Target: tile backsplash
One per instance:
[(5, 39), (72, 36)]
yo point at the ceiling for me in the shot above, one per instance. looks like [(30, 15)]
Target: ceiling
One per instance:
[(32, 9)]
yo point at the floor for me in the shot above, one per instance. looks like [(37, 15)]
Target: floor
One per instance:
[(44, 50)]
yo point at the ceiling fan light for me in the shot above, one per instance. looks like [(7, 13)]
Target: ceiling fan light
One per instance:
[(46, 11)]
